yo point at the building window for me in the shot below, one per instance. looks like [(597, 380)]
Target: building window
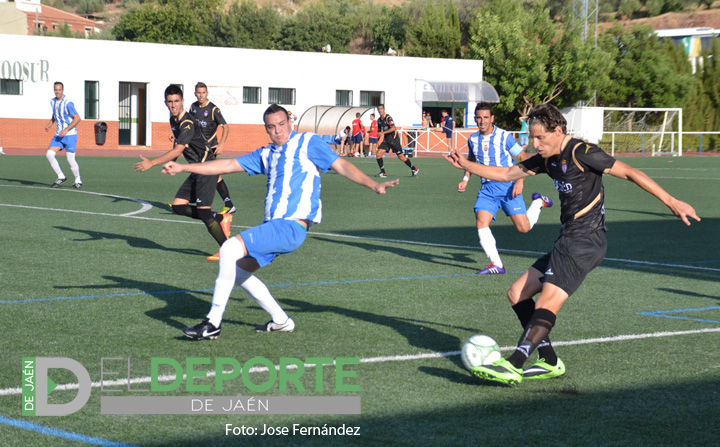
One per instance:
[(343, 97), (11, 87), (371, 99), (251, 95), (281, 96), (92, 100)]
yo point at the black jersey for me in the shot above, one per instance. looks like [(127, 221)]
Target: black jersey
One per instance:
[(187, 132), (577, 172), (384, 123), (208, 118)]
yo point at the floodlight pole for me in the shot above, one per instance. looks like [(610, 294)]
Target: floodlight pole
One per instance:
[(585, 11)]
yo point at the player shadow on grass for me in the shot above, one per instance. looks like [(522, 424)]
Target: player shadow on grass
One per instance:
[(419, 335), (688, 293), (182, 306), (135, 242), (450, 259), (25, 182)]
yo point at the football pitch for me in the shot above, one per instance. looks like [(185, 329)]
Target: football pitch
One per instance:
[(109, 272)]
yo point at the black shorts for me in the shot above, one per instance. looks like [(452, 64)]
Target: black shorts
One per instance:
[(392, 145), (571, 259), (198, 189)]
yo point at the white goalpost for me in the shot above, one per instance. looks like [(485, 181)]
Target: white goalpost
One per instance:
[(632, 130)]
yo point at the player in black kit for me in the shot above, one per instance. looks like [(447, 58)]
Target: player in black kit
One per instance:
[(577, 168), (210, 118), (389, 138), (189, 142)]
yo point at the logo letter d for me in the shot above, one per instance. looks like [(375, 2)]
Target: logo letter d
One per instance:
[(42, 407)]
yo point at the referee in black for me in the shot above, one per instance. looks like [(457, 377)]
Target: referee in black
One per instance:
[(389, 139), (189, 142), (577, 168), (209, 118)]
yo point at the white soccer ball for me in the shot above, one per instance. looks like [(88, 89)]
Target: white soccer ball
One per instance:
[(480, 350)]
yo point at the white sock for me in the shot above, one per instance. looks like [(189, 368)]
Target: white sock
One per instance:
[(533, 212), (259, 292), (230, 251), (487, 241), (74, 166), (50, 155)]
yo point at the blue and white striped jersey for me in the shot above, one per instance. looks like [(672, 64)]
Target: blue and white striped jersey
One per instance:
[(496, 149), (293, 171), (63, 111)]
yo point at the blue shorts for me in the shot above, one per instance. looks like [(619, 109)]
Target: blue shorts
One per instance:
[(68, 142), (272, 238), (523, 139), (372, 140), (496, 195), (357, 138)]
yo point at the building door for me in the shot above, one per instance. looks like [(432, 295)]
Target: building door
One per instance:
[(133, 114), (142, 115), (125, 114)]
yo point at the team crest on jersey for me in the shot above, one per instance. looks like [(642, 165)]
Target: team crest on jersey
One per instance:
[(564, 166), (206, 114), (486, 147)]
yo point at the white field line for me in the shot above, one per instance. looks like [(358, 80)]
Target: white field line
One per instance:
[(383, 359), (345, 236), (145, 206)]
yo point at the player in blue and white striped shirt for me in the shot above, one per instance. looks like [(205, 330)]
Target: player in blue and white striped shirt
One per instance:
[(66, 119), (292, 164), (492, 146)]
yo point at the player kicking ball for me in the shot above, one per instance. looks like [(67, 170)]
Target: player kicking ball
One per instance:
[(577, 168), (292, 163)]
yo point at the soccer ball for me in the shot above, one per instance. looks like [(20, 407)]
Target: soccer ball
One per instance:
[(480, 350)]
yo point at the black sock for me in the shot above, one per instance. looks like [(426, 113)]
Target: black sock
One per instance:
[(212, 224), (536, 330), (381, 164), (409, 164), (185, 210), (222, 189), (524, 311)]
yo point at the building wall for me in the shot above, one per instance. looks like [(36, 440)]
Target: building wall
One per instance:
[(13, 21), (39, 61)]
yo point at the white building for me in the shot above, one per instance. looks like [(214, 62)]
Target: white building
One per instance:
[(122, 84)]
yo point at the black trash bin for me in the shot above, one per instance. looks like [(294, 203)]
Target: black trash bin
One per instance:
[(100, 132)]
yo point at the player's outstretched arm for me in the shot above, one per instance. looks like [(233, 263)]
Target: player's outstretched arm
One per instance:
[(352, 173), (147, 163), (215, 167), (496, 173), (678, 207)]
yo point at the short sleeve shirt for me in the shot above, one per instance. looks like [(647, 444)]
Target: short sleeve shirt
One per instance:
[(448, 126), (373, 129), (577, 173), (63, 112), (385, 123), (293, 172), (496, 149), (208, 118), (188, 133)]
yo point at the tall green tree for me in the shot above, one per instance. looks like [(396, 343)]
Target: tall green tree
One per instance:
[(390, 30), (327, 22), (248, 26), (182, 22), (531, 60), (643, 74), (434, 34)]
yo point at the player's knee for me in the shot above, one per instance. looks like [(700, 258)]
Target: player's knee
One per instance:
[(514, 294), (233, 247), (523, 227), (180, 209)]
